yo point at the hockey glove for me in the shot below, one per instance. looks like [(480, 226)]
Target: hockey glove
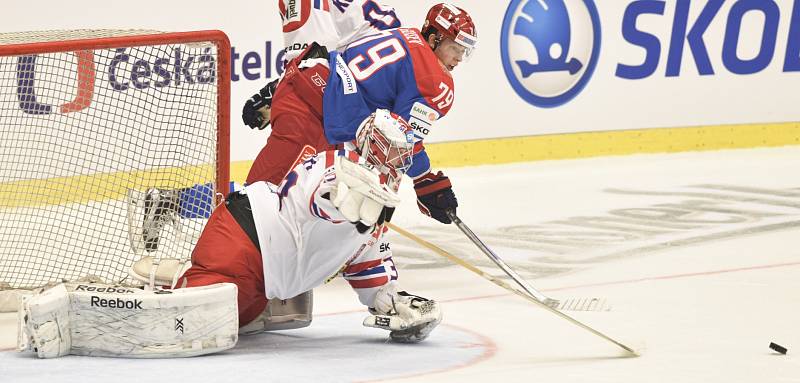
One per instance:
[(385, 216), (409, 318), (256, 110), (435, 196), (359, 194)]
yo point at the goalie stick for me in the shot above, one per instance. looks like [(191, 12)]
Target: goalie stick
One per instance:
[(504, 285)]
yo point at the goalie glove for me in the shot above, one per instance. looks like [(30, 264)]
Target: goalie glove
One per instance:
[(360, 195), (256, 110), (409, 318), (435, 196)]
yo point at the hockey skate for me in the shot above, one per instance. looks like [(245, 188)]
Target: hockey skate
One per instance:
[(160, 208)]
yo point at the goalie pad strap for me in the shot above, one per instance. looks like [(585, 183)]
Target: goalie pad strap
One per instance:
[(159, 271)]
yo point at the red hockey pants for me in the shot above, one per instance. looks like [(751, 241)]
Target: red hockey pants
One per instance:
[(224, 253)]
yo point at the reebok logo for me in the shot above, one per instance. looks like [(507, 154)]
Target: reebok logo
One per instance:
[(106, 289), (116, 303)]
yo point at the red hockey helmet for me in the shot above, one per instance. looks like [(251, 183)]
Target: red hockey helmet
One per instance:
[(386, 141), (451, 22)]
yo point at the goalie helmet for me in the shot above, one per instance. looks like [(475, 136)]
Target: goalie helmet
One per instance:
[(386, 141), (449, 21)]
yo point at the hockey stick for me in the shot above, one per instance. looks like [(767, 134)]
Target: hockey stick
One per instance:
[(504, 285), (572, 304), (499, 262)]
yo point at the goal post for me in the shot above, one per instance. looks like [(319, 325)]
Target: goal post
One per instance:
[(103, 133)]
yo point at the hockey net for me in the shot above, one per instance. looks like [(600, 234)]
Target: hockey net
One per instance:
[(113, 145)]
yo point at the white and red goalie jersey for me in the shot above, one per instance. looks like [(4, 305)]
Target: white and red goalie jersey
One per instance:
[(305, 241), (331, 23)]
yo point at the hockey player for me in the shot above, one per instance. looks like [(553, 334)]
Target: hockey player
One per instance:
[(335, 23), (404, 70), (332, 24), (296, 224), (412, 79), (266, 242)]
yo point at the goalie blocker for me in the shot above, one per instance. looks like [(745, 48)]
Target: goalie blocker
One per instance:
[(105, 320)]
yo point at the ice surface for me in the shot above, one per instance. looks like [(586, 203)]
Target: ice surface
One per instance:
[(696, 252)]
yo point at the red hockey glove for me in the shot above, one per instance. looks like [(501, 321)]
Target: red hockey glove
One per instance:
[(435, 196)]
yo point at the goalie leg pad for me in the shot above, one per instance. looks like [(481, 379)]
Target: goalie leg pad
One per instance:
[(103, 320), (283, 314), (44, 323)]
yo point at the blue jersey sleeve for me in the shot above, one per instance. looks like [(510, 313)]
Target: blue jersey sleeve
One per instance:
[(343, 104)]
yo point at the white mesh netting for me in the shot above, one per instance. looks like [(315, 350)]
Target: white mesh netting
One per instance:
[(105, 155)]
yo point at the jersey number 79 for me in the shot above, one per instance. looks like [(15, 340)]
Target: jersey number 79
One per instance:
[(384, 53), (380, 55)]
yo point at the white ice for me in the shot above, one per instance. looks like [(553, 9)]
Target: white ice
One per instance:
[(698, 255)]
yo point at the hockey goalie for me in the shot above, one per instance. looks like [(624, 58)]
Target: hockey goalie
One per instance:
[(267, 244)]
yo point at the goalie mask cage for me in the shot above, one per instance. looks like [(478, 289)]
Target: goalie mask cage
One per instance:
[(98, 129)]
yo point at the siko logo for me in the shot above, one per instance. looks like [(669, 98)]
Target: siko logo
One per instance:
[(26, 85), (549, 48)]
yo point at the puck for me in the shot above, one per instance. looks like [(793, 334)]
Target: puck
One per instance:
[(777, 348)]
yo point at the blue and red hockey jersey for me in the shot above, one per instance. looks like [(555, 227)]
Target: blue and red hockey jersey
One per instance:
[(394, 70)]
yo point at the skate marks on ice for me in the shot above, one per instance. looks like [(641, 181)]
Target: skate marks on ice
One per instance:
[(668, 220), (335, 348)]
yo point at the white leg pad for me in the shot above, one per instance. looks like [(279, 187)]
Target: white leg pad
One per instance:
[(11, 299), (103, 320), (44, 323)]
